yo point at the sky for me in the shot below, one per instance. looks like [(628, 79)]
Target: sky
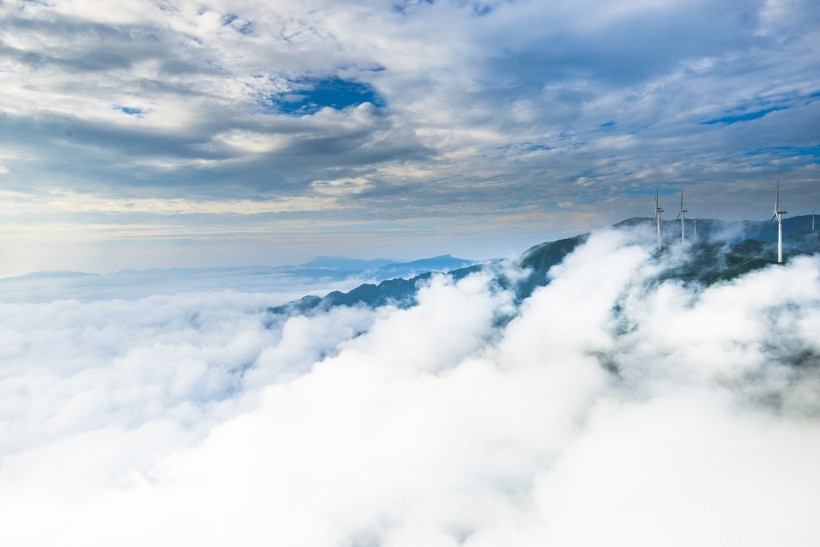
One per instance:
[(606, 409), (177, 133)]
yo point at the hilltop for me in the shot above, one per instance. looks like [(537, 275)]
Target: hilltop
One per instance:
[(722, 251)]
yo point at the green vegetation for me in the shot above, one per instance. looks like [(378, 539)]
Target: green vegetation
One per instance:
[(541, 258), (704, 262)]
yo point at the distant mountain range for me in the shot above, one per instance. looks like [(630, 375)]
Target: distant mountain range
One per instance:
[(384, 269), (723, 250), (322, 273)]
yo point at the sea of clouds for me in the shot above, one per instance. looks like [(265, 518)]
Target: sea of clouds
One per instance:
[(607, 409)]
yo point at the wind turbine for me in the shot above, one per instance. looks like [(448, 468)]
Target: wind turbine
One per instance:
[(695, 224), (778, 214), (682, 217), (658, 212)]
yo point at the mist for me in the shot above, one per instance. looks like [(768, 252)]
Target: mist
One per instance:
[(607, 408)]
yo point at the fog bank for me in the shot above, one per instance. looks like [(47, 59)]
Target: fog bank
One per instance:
[(612, 408)]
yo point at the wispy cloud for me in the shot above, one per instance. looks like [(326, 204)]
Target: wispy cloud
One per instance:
[(479, 104)]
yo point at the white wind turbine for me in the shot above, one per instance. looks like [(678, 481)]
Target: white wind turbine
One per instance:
[(695, 225), (658, 212), (778, 214), (682, 217)]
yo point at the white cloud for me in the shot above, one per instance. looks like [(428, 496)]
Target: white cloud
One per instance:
[(21, 205), (197, 419), (341, 187), (617, 95)]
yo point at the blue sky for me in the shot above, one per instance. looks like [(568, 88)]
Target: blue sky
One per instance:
[(181, 133)]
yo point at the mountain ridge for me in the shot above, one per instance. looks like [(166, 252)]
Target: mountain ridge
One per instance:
[(722, 251)]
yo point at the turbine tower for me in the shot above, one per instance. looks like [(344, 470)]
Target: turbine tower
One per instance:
[(695, 225), (658, 212), (778, 214), (682, 217)]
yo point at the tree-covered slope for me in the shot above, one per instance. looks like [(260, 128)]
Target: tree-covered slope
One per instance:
[(722, 252)]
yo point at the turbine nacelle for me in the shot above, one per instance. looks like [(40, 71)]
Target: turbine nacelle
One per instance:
[(778, 214), (682, 217), (658, 212), (658, 209)]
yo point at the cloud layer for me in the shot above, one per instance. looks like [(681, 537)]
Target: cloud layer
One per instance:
[(449, 121), (607, 408)]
